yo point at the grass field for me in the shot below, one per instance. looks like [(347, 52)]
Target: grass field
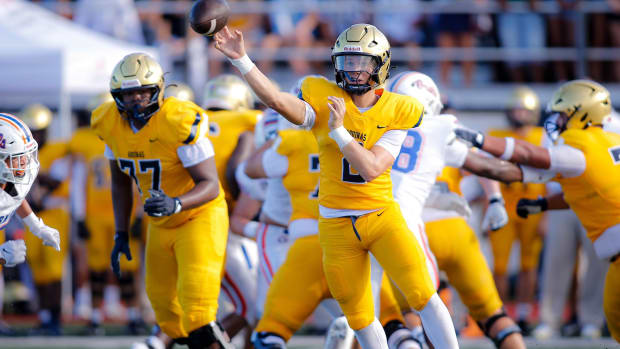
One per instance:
[(298, 342)]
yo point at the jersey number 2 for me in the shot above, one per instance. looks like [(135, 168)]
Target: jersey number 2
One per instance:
[(408, 157), (153, 166)]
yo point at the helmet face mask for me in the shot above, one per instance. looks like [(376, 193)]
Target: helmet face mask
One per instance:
[(556, 124), (359, 73)]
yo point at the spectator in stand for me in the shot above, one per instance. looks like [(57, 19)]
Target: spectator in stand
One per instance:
[(289, 28), (456, 30), (402, 27), (116, 18), (522, 30), (562, 34)]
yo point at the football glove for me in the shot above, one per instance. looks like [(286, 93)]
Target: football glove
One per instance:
[(49, 235), (470, 137), (121, 246), (160, 204), (526, 207), (13, 252), (448, 202), (82, 230), (496, 216)]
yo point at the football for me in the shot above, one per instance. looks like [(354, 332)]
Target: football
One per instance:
[(207, 17)]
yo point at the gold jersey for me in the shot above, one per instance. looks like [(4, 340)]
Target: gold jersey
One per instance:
[(89, 148), (341, 185), (149, 156), (514, 191), (49, 155), (595, 194), (225, 127), (302, 178)]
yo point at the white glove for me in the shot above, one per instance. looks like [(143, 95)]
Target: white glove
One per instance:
[(496, 216), (49, 235), (13, 252), (448, 202)]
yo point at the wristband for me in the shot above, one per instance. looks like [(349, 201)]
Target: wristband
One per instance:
[(244, 64), (341, 136), (250, 229), (32, 221), (177, 205), (509, 149)]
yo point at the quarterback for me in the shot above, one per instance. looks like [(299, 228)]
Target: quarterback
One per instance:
[(359, 128), (162, 146), (18, 170), (585, 160)]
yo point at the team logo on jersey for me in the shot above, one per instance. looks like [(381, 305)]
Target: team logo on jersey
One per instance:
[(135, 154), (360, 136)]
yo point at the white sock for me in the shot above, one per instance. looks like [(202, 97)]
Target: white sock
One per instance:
[(438, 324), (418, 333), (523, 311), (372, 336), (339, 334)]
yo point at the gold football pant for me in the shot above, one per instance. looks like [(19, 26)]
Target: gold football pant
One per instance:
[(100, 243), (346, 242), (458, 253), (611, 299), (45, 262), (526, 230), (389, 309), (183, 270)]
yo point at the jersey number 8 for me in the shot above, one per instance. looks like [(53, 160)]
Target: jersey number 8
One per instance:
[(408, 157)]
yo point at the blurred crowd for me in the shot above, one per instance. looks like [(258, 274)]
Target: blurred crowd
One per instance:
[(519, 24)]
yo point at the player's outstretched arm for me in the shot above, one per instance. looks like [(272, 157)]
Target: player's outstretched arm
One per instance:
[(122, 197), (49, 235), (526, 207), (232, 46), (510, 149), (492, 168)]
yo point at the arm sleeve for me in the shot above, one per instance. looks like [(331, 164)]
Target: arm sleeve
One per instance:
[(309, 118), (274, 163), (536, 175), (78, 193), (108, 153), (196, 153), (567, 161), (392, 140)]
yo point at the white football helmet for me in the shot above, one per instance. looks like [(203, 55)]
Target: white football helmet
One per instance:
[(18, 150), (420, 86)]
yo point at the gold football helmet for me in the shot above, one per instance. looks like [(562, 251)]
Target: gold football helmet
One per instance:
[(138, 71), (578, 104), (98, 100), (361, 50), (36, 116), (227, 92), (179, 91), (523, 107)]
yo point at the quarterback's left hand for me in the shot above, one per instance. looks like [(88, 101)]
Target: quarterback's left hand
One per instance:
[(337, 109), (49, 235), (496, 216), (160, 204), (468, 136)]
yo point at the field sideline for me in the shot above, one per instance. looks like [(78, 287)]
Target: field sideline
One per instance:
[(297, 342)]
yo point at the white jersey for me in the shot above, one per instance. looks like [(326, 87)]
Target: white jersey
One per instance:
[(10, 201), (425, 152)]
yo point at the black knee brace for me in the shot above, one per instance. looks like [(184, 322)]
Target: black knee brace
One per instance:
[(127, 286), (97, 283), (503, 333), (203, 337)]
